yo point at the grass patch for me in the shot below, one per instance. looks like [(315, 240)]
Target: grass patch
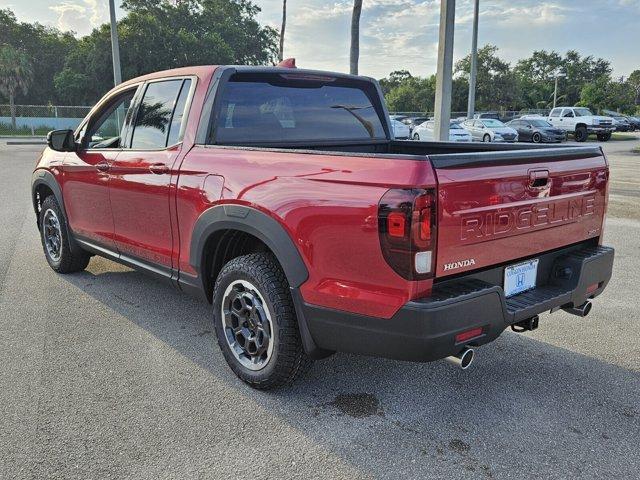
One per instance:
[(8, 130), (623, 136)]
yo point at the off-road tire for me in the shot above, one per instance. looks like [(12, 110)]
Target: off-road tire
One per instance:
[(288, 360), (604, 137), (581, 134), (68, 260)]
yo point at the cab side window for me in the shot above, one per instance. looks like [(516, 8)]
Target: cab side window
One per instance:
[(567, 113), (156, 121), (106, 129), (555, 112)]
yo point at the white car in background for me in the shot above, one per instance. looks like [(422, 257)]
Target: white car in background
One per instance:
[(490, 130), (425, 132), (400, 130)]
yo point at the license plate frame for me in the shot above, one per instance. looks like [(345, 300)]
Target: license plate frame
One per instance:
[(520, 277)]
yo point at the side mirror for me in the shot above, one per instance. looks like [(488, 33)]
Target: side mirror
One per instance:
[(61, 141)]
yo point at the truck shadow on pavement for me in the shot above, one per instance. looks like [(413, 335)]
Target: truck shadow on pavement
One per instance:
[(525, 406)]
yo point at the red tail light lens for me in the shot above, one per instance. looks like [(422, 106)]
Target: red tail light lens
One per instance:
[(406, 223), (396, 224)]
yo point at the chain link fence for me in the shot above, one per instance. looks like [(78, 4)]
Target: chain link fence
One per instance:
[(37, 120)]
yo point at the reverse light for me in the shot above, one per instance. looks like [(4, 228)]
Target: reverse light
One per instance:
[(406, 224)]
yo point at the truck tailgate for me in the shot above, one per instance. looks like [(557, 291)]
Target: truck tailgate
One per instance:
[(496, 207)]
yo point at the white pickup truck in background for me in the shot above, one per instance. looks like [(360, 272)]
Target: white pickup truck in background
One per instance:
[(582, 123)]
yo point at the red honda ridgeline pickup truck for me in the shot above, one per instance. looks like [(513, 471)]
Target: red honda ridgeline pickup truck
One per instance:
[(280, 196)]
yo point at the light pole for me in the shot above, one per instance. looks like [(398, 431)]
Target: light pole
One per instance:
[(474, 61), (115, 47), (445, 70), (555, 89)]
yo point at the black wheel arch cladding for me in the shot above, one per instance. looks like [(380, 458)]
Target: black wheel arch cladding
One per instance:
[(256, 223)]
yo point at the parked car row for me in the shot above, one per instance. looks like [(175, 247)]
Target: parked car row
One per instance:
[(561, 122), (425, 132)]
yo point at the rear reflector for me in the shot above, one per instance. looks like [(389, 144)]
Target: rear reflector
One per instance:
[(592, 288), (468, 335)]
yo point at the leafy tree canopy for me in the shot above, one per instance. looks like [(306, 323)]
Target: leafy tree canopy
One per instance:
[(159, 35), (527, 85)]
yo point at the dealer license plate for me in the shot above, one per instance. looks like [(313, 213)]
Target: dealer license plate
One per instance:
[(520, 278)]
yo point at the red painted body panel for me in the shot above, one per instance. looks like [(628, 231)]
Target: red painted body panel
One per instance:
[(140, 204), (86, 195), (492, 214), (329, 206)]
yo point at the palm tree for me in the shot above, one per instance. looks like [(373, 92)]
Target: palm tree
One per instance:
[(355, 37), (16, 75), (282, 28)]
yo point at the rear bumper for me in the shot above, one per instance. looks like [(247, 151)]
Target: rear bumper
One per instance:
[(424, 330)]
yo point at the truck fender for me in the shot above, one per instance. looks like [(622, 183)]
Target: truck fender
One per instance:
[(45, 177), (253, 222)]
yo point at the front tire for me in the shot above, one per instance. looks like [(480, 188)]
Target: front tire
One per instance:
[(486, 138), (56, 242), (536, 138), (256, 324), (416, 137), (581, 134)]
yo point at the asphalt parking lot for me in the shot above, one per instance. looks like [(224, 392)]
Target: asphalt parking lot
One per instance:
[(108, 374)]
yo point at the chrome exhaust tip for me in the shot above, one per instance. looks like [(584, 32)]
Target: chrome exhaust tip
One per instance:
[(463, 360), (581, 310)]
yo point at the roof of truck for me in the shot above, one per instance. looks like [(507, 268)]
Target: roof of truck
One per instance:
[(201, 71), (205, 71)]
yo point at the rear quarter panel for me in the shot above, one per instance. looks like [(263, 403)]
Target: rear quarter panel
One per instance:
[(328, 205)]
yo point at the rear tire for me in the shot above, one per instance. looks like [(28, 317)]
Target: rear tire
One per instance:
[(536, 138), (416, 137), (486, 138), (604, 137), (256, 324), (56, 242), (581, 134)]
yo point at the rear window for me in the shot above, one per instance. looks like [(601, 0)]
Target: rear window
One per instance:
[(276, 108)]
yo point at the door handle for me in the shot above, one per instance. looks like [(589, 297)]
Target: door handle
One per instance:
[(103, 166), (158, 168), (538, 178)]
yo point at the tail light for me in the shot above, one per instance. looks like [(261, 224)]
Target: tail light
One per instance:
[(407, 228)]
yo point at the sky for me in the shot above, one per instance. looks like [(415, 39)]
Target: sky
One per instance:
[(403, 34)]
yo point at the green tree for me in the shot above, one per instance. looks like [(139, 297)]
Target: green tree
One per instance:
[(606, 94), (536, 76), (581, 71), (164, 34), (496, 84), (47, 48), (414, 94), (394, 80), (16, 75), (634, 83)]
